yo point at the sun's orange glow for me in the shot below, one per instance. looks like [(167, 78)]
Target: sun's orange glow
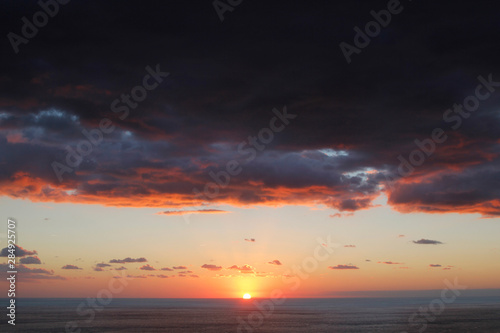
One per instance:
[(247, 296)]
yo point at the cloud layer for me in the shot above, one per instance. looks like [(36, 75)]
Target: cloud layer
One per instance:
[(340, 150)]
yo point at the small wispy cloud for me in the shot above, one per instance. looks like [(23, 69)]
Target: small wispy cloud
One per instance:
[(343, 267), (427, 241), (390, 263), (196, 211), (275, 262), (338, 215), (70, 267), (251, 240)]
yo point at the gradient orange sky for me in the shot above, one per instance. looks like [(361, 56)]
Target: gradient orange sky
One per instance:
[(378, 241)]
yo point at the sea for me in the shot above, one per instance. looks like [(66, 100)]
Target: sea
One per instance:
[(401, 315)]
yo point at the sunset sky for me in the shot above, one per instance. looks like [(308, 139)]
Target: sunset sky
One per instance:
[(252, 141)]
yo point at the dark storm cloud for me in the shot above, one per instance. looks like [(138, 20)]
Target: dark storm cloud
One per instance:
[(352, 120)]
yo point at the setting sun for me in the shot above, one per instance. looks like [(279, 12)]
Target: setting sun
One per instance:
[(247, 296)]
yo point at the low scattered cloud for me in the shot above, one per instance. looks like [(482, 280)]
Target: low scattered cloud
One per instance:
[(251, 240), (275, 262), (98, 269), (211, 267), (179, 267), (343, 267), (121, 268), (70, 267), (243, 269), (102, 264), (427, 241), (401, 236), (30, 260), (127, 260), (26, 270), (435, 265), (19, 252), (147, 268), (166, 269)]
